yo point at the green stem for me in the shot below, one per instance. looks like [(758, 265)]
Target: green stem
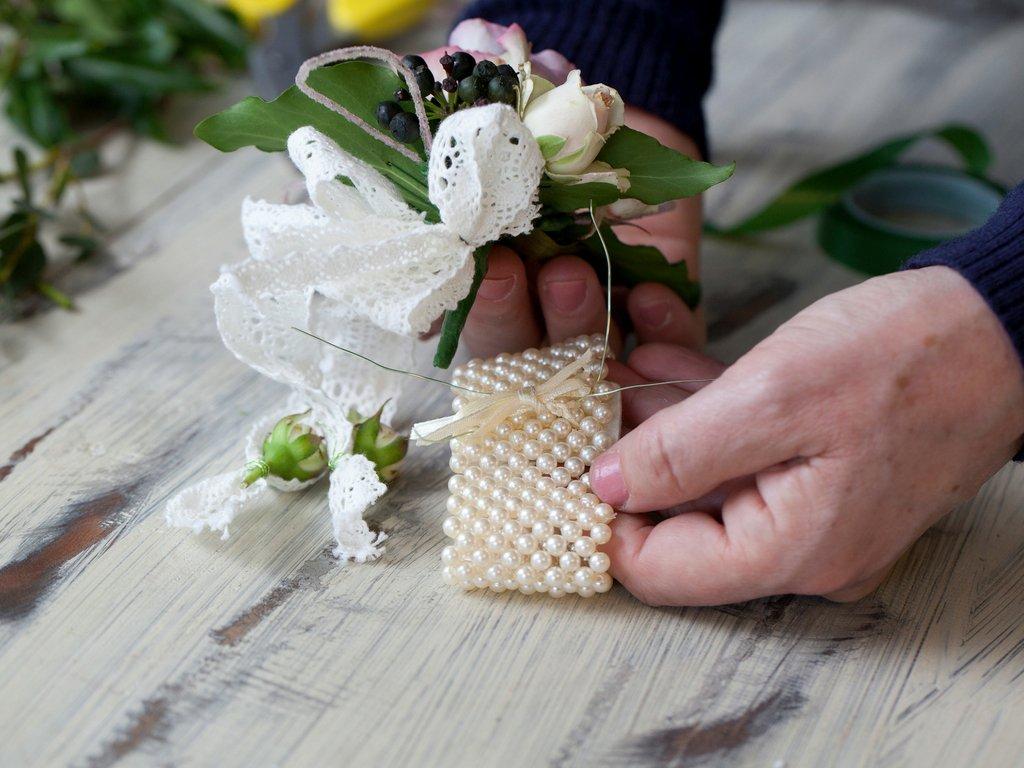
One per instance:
[(257, 469), (59, 298)]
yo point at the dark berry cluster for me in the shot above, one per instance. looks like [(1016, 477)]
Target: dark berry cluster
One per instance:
[(468, 83)]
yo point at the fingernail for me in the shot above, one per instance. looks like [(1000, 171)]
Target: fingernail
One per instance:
[(566, 295), (606, 479), (496, 288), (655, 314)]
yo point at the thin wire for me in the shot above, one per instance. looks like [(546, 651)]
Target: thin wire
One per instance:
[(650, 384), (608, 292), (388, 368)]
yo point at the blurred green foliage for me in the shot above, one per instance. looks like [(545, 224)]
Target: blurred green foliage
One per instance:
[(72, 73)]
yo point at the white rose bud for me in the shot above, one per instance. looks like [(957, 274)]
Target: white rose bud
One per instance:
[(579, 118)]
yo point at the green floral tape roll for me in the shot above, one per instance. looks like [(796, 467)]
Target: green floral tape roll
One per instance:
[(897, 212)]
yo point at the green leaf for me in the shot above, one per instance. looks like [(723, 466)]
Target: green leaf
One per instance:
[(121, 74), (824, 188), (24, 173), (357, 85), (658, 174), (22, 258), (455, 320), (566, 198), (214, 24), (55, 43), (99, 20), (550, 145), (635, 264), (33, 108)]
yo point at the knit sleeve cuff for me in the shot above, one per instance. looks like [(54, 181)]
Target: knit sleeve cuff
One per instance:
[(656, 53), (992, 260)]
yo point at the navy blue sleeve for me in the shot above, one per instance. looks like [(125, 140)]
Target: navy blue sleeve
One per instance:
[(991, 258), (656, 53)]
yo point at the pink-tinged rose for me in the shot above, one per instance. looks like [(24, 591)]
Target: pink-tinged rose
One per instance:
[(502, 45)]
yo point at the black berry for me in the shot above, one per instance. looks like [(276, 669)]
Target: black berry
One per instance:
[(413, 62), (462, 65), (405, 127), (447, 63), (481, 102), (402, 95), (386, 111), (486, 69), (502, 89), (450, 84), (508, 69), (471, 89), (424, 81)]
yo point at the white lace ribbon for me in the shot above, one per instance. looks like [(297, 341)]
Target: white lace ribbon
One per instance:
[(359, 267)]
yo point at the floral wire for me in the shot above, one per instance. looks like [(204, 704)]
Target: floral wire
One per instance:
[(650, 384), (608, 292), (389, 368)]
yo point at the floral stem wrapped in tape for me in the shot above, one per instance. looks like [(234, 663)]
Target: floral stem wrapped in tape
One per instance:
[(413, 169)]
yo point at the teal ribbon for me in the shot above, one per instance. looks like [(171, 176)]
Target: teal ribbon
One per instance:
[(841, 195)]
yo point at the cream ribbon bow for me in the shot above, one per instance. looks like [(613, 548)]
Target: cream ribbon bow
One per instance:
[(481, 413)]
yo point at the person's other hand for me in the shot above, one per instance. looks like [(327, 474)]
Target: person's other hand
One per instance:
[(832, 446), (518, 307)]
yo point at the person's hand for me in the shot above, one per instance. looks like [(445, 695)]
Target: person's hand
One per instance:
[(517, 306), (832, 446)]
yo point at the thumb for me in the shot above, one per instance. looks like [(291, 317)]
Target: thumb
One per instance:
[(731, 428)]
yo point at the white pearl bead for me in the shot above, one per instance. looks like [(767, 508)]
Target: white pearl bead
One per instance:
[(601, 533), (599, 562), (574, 466), (540, 560), (451, 527), (604, 512), (601, 442), (546, 463), (583, 577), (602, 582), (569, 561), (586, 591), (449, 555), (525, 544), (560, 476), (584, 546), (554, 576), (555, 544), (542, 529), (571, 531)]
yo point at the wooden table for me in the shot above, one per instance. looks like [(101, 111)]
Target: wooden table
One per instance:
[(124, 643)]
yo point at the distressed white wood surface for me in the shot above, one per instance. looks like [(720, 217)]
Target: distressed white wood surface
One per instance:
[(122, 643)]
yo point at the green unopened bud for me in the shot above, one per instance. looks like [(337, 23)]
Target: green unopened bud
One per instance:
[(379, 443), (292, 451)]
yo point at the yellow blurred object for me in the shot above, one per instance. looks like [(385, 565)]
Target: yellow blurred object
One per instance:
[(253, 11), (374, 19)]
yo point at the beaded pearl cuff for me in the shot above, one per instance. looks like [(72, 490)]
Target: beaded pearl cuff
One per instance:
[(521, 515)]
